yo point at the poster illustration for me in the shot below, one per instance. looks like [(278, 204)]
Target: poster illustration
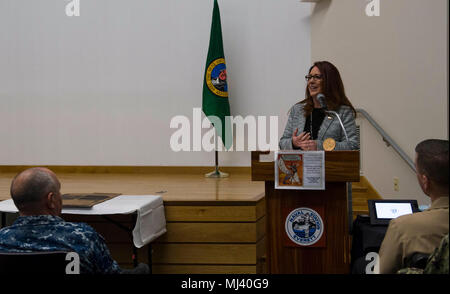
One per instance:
[(290, 170), (300, 170)]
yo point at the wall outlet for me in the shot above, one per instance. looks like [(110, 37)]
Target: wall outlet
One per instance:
[(396, 184)]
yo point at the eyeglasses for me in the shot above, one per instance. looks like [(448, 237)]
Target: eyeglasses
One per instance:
[(315, 77)]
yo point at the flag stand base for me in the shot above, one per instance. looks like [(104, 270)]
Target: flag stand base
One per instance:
[(216, 174)]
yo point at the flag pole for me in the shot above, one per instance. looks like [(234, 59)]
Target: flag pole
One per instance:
[(215, 89), (216, 173)]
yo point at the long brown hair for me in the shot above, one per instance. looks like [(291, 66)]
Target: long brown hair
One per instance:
[(332, 88)]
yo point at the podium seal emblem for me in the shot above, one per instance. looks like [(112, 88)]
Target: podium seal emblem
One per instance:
[(304, 226)]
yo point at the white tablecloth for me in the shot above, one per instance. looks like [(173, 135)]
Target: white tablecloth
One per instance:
[(150, 221)]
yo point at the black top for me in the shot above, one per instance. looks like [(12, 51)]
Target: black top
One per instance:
[(317, 118)]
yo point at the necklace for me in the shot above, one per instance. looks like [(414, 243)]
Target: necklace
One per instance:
[(311, 126)]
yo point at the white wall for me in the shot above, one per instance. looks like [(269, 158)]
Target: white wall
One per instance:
[(101, 88), (395, 66)]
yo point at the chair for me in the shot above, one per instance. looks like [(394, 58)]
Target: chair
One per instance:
[(366, 238), (141, 269), (418, 260), (33, 262)]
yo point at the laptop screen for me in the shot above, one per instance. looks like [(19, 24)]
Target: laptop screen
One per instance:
[(392, 210), (382, 211)]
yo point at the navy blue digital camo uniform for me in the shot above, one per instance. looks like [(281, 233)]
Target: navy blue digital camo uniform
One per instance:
[(52, 233)]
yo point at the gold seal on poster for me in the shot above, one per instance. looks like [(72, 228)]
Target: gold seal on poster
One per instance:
[(329, 144)]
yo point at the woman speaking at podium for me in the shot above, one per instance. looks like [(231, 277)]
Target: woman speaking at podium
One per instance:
[(325, 119)]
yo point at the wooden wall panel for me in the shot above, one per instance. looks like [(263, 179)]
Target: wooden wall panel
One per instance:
[(198, 213), (218, 239), (202, 253), (180, 232)]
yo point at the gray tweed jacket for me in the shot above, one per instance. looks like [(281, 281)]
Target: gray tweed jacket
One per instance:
[(330, 128)]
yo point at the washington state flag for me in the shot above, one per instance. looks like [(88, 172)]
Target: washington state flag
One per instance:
[(215, 102)]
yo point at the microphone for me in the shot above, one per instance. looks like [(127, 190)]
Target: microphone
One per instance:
[(323, 104), (321, 99)]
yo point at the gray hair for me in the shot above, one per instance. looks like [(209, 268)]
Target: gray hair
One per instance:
[(32, 185)]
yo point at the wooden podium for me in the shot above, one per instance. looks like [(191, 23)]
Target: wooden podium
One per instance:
[(332, 256)]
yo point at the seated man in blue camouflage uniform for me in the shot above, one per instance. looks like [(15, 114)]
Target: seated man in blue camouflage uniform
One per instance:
[(39, 227)]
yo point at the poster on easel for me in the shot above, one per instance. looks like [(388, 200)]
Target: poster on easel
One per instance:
[(301, 170)]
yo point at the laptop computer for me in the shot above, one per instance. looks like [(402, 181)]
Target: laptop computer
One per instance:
[(382, 211)]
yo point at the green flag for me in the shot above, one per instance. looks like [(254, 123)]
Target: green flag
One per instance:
[(215, 88)]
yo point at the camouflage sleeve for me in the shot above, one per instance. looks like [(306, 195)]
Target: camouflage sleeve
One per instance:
[(100, 256), (105, 262), (410, 271), (438, 261)]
